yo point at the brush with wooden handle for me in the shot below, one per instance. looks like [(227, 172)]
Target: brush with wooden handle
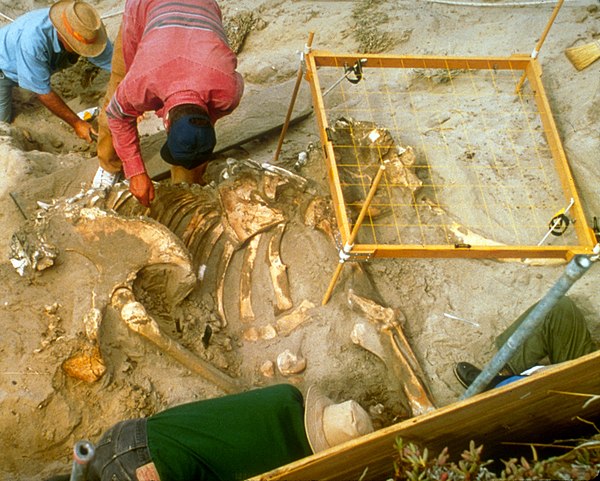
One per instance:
[(584, 55)]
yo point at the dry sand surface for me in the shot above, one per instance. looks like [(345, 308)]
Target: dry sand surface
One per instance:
[(43, 411)]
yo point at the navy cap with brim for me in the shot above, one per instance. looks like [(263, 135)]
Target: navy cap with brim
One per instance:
[(190, 142)]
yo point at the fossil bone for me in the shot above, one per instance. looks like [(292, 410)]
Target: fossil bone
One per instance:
[(287, 323), (137, 319), (87, 366), (278, 271), (367, 337), (246, 311), (289, 363), (94, 234), (373, 146), (407, 368), (222, 271), (245, 211)]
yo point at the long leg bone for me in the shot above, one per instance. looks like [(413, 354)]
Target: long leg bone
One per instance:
[(407, 368), (137, 319)]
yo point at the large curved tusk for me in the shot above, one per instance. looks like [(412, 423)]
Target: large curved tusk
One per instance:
[(137, 319)]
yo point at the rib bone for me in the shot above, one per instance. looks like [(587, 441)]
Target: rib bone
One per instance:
[(278, 271)]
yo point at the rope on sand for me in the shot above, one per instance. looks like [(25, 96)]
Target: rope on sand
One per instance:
[(6, 17), (505, 4)]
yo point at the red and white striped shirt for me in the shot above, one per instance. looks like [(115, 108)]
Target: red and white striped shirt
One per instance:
[(175, 52)]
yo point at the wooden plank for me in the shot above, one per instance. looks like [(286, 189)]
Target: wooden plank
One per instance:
[(531, 410), (260, 113)]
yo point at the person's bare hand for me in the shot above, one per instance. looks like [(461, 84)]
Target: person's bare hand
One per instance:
[(84, 130), (142, 188)]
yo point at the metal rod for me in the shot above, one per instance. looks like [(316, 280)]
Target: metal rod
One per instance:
[(83, 454), (538, 46), (350, 243), (293, 100), (345, 76), (578, 266)]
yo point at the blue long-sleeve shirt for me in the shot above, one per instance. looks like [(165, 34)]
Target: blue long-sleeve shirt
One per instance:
[(30, 51)]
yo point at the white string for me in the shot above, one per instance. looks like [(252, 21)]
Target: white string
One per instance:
[(479, 4), (113, 14)]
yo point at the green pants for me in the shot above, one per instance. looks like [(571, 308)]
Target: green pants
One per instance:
[(562, 336)]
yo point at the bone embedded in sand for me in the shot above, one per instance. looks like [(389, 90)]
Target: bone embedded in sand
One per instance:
[(374, 311), (319, 215), (287, 323), (86, 366), (137, 319), (228, 250), (246, 311), (246, 211), (366, 336), (410, 374), (264, 333), (278, 270), (91, 322), (407, 368), (289, 363), (204, 239), (267, 369)]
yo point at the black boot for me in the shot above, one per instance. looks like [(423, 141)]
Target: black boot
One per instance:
[(467, 373)]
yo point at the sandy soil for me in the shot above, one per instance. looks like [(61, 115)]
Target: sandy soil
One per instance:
[(44, 411)]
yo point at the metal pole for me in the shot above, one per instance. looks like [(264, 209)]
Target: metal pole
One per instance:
[(83, 454), (578, 266)]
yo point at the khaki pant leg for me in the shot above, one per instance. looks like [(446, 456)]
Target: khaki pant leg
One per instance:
[(194, 176), (107, 157), (562, 336)]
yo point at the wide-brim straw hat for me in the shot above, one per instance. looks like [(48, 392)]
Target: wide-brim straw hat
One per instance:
[(328, 424), (80, 25)]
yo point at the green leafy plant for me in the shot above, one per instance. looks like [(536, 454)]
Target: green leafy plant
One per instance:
[(580, 461)]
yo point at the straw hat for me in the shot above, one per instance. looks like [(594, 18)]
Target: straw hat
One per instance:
[(80, 25), (328, 424)]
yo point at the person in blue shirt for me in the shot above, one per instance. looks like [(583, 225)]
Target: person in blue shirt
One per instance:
[(43, 41)]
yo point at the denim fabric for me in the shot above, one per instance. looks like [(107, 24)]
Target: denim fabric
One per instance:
[(121, 450), (6, 86)]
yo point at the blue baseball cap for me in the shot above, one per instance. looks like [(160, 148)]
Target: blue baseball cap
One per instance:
[(190, 141)]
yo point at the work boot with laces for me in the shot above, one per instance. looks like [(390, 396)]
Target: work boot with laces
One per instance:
[(466, 373)]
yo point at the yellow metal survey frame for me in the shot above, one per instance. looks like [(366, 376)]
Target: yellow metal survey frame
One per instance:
[(532, 70)]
